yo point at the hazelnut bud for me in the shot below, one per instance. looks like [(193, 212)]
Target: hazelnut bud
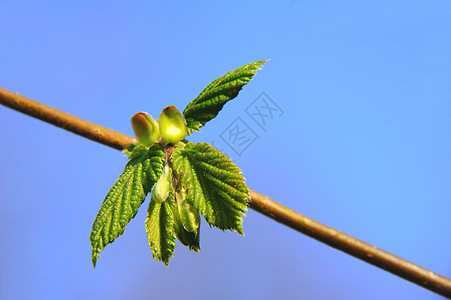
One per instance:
[(160, 191), (172, 125), (145, 128)]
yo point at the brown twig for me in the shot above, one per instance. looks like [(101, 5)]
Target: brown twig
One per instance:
[(66, 121), (334, 238)]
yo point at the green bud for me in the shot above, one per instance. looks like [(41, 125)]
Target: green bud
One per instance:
[(145, 128), (172, 125), (189, 215), (160, 191)]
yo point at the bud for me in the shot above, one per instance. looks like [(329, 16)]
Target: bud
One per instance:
[(145, 128), (189, 215), (172, 125), (160, 191)]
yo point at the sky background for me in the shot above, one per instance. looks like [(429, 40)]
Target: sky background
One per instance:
[(361, 143)]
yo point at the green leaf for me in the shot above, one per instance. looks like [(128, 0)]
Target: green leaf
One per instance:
[(160, 229), (189, 215), (129, 149), (124, 198), (187, 238), (213, 183), (211, 100)]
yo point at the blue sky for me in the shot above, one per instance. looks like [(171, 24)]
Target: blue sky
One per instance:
[(363, 144)]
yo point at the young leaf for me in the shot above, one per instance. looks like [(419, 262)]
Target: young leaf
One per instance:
[(124, 198), (160, 229), (129, 149), (190, 239), (189, 216), (211, 100), (213, 183)]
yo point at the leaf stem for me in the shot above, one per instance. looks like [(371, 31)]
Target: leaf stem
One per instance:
[(334, 238)]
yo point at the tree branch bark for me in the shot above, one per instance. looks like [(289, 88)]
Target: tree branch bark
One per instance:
[(327, 235)]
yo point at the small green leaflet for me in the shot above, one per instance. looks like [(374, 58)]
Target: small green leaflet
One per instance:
[(124, 198), (160, 229), (214, 185), (190, 239), (211, 100)]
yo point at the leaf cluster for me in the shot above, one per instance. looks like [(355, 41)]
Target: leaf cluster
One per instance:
[(184, 179)]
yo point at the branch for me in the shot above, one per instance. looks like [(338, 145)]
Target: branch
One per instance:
[(334, 238), (66, 121)]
